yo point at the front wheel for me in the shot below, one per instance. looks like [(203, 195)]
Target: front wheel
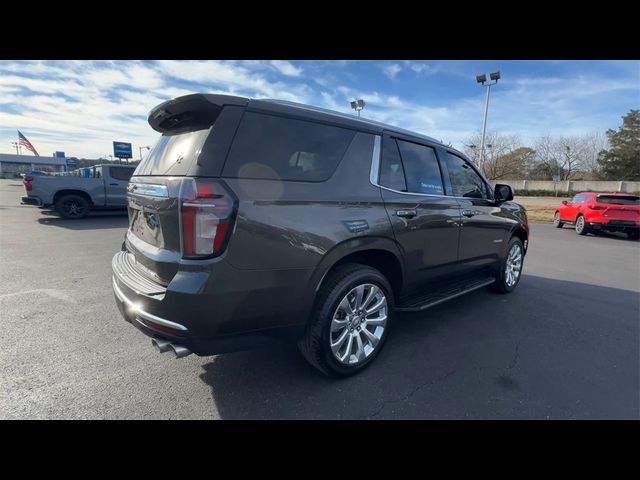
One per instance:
[(581, 226), (350, 322), (556, 220), (508, 276)]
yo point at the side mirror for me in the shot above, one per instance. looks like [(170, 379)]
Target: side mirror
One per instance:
[(564, 202), (502, 193)]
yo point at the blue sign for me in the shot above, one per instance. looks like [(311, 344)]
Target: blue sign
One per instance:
[(122, 150), (71, 163), (59, 154)]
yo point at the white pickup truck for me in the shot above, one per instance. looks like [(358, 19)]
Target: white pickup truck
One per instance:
[(73, 196)]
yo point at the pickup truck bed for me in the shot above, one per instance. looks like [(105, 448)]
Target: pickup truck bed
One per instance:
[(73, 196)]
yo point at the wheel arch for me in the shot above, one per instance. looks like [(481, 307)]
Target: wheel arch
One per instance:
[(81, 193), (380, 253)]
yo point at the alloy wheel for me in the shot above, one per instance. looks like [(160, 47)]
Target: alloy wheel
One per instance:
[(358, 324), (514, 265)]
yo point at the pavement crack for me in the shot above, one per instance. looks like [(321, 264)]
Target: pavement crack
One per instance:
[(516, 356), (411, 393)]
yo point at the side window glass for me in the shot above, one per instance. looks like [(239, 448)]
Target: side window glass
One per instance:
[(279, 148), (421, 168), (464, 179), (121, 173), (391, 171)]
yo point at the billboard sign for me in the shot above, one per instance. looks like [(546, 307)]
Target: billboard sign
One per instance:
[(59, 154), (122, 150)]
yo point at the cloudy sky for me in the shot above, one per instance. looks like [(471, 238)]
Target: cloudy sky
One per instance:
[(80, 107)]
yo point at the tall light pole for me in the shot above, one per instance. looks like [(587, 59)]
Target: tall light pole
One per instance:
[(140, 150), (358, 105), (18, 149), (495, 76)]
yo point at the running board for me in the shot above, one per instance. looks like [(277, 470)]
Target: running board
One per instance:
[(438, 299)]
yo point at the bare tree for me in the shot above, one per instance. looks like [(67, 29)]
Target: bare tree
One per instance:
[(567, 157), (594, 143), (504, 157)]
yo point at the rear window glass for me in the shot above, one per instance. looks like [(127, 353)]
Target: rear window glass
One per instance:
[(121, 173), (173, 154), (618, 199), (391, 171), (270, 147), (421, 168)]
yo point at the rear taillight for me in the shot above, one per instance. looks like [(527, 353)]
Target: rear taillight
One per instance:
[(596, 207), (27, 183), (207, 209)]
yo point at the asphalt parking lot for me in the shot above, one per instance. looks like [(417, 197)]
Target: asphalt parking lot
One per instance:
[(564, 345)]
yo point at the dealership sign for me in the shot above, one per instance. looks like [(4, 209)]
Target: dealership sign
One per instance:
[(122, 150)]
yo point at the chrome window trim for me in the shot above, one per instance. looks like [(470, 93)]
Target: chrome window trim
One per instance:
[(375, 162), (148, 189), (375, 172)]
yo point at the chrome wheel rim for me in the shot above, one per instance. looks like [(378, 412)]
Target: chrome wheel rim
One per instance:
[(556, 219), (514, 265), (579, 224), (358, 324)]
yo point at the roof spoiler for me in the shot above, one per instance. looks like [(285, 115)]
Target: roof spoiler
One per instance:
[(190, 112)]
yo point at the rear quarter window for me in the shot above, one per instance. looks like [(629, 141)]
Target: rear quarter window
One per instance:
[(278, 148)]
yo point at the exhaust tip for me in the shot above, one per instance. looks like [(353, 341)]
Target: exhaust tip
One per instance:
[(180, 351), (161, 345)]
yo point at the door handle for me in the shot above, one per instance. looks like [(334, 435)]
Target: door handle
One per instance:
[(406, 213), (114, 184), (468, 213)]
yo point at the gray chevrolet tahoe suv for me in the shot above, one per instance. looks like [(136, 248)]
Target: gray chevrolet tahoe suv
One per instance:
[(252, 220)]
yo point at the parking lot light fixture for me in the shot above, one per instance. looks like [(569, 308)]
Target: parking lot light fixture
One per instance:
[(358, 105), (482, 79), (148, 147)]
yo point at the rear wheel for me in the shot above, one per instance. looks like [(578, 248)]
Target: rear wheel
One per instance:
[(556, 220), (72, 207), (633, 234), (351, 321), (581, 226)]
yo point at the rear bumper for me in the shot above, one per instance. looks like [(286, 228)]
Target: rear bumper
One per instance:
[(186, 312), (615, 226), (161, 328), (27, 200)]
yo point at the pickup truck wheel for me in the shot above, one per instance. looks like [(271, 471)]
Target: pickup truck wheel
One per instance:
[(72, 207), (510, 271), (350, 322)]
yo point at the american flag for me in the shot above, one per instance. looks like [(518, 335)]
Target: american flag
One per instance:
[(22, 140)]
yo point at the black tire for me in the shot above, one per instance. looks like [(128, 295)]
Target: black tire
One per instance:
[(315, 344), (633, 234), (556, 220), (581, 226), (501, 285), (72, 207)]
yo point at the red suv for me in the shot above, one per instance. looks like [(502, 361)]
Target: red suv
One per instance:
[(593, 212)]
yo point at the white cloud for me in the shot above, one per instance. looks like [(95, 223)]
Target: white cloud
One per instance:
[(391, 70), (286, 68)]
